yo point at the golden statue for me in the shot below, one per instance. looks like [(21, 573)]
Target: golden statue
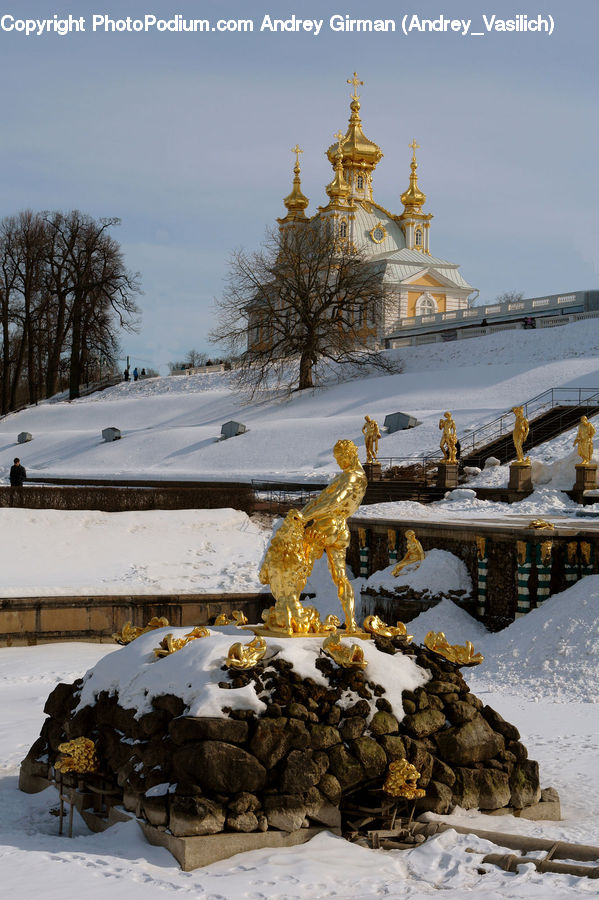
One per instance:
[(347, 657), (79, 756), (519, 434), (237, 617), (169, 644), (371, 433), (456, 653), (374, 625), (584, 440), (130, 632), (449, 438), (245, 656), (320, 527), (401, 780), (414, 553)]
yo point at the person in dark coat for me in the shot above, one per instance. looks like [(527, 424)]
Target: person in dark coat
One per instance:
[(17, 473), (135, 374)]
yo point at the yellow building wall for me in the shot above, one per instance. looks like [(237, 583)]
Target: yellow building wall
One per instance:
[(414, 295)]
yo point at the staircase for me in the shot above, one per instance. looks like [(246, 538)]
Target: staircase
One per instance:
[(549, 414)]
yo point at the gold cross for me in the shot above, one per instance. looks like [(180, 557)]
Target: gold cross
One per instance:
[(355, 83), (414, 147), (297, 150)]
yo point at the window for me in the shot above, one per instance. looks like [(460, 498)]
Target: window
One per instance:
[(418, 238), (425, 305), (360, 182), (343, 229)]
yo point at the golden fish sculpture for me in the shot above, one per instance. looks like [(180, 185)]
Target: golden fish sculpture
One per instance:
[(374, 625), (347, 657), (79, 756), (170, 644), (401, 780), (463, 655), (130, 632), (246, 656)]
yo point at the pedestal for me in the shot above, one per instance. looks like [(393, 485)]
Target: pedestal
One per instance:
[(520, 477), (586, 477), (373, 471), (447, 475)]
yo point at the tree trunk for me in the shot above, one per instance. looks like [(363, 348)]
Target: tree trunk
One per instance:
[(305, 373)]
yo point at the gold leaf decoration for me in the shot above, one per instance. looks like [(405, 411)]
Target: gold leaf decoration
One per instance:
[(79, 756), (348, 657), (130, 632), (374, 625), (246, 656), (169, 644), (463, 655), (401, 780)]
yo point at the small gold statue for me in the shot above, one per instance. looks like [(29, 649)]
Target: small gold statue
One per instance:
[(519, 435), (130, 632), (456, 653), (321, 527), (449, 438), (79, 756), (347, 657), (584, 440), (374, 625), (222, 619), (401, 780), (371, 433), (414, 553), (169, 644), (246, 656), (541, 525)]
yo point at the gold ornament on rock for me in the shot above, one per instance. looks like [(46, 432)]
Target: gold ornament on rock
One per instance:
[(246, 656), (130, 632), (374, 625), (463, 655), (401, 780), (347, 657), (170, 644), (237, 618), (414, 553), (78, 756), (320, 527)]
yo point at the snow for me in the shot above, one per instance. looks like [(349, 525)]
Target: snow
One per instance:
[(541, 673), (438, 573)]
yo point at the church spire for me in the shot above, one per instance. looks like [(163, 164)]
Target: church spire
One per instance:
[(295, 202), (339, 190), (413, 199), (359, 155), (415, 223)]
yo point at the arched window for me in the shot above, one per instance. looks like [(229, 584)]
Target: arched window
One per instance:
[(360, 182), (343, 229), (426, 305), (418, 237)]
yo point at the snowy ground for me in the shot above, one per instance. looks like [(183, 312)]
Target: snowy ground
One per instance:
[(542, 673)]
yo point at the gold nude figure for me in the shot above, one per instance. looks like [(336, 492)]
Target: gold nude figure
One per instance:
[(449, 438), (519, 435), (584, 441), (371, 433), (320, 527), (414, 553)]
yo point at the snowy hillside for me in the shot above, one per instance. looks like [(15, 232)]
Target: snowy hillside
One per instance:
[(171, 425)]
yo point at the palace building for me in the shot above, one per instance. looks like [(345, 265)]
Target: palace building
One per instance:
[(415, 282)]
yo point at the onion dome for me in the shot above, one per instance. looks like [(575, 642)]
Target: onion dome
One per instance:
[(295, 202), (359, 152), (413, 199)]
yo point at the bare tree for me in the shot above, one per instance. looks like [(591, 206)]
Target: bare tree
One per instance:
[(307, 296), (509, 297)]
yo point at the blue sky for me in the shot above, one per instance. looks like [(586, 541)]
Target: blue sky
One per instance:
[(186, 138)]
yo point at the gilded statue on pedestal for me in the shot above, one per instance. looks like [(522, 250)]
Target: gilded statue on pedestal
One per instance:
[(584, 441), (519, 435), (414, 553), (371, 433), (320, 527), (449, 438)]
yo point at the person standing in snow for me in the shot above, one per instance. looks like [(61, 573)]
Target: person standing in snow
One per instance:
[(17, 473), (135, 374)]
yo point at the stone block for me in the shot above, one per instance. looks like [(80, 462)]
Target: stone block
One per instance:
[(586, 478), (111, 434), (24, 437), (398, 421), (448, 475), (231, 429), (520, 478)]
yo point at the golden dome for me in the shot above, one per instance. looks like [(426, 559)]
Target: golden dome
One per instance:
[(413, 199), (295, 202), (339, 189), (358, 150)]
